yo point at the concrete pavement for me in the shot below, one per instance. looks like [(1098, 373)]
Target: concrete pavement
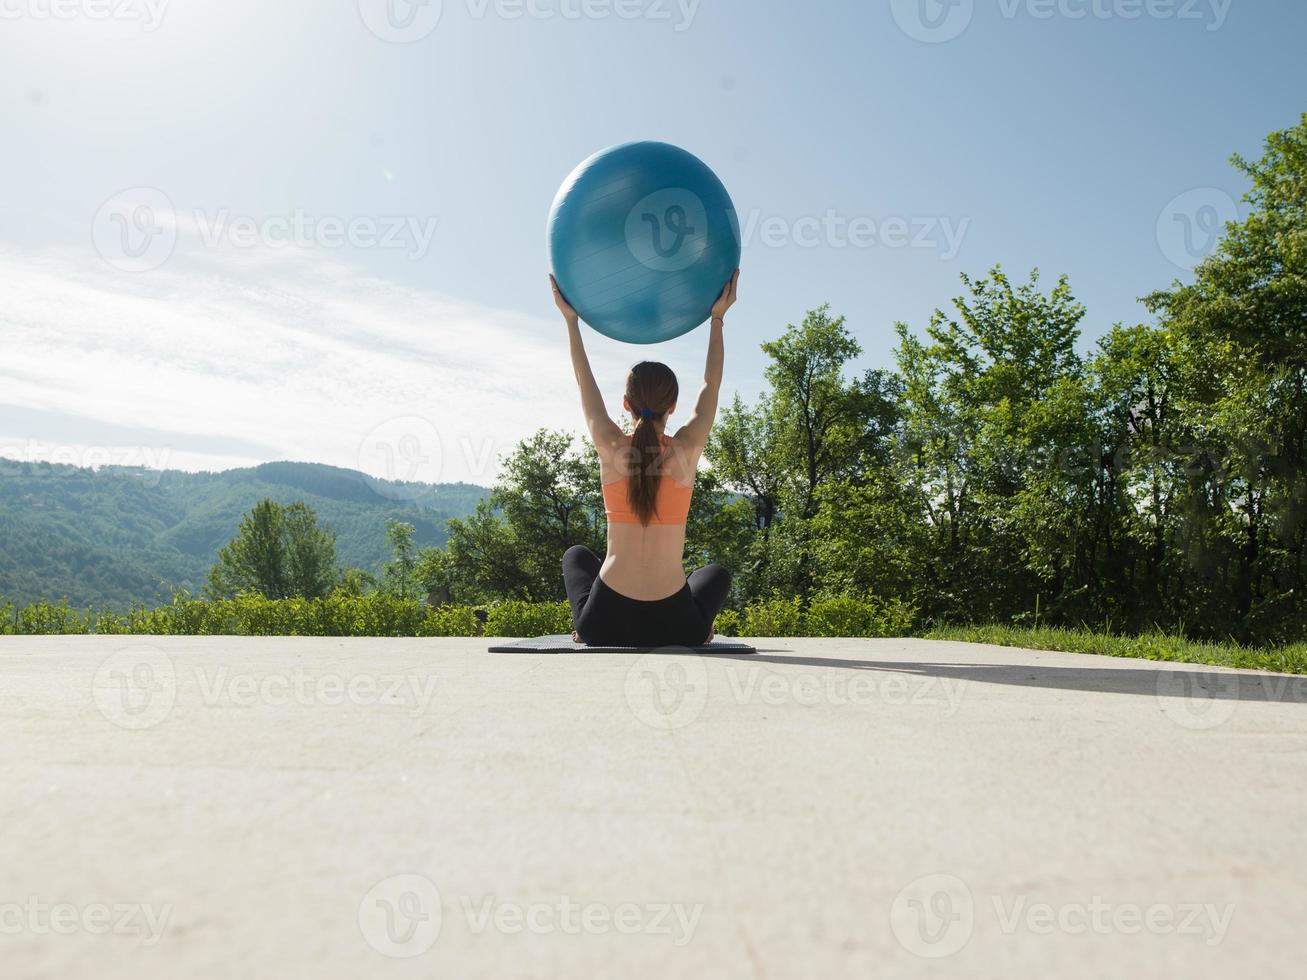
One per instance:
[(232, 807)]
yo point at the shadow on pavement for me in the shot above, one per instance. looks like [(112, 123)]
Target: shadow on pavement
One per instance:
[(1178, 680)]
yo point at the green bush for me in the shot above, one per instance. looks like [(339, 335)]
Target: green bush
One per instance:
[(335, 615), (847, 616), (377, 614), (188, 616), (256, 615), (7, 620), (727, 623), (149, 621), (529, 619), (109, 623), (50, 618), (371, 615), (451, 621), (772, 617)]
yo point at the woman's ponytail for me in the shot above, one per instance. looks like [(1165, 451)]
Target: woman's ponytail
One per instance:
[(651, 391)]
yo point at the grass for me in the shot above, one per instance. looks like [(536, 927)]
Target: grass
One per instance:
[(1150, 646)]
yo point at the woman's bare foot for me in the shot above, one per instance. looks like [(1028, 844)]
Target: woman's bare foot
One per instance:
[(575, 638)]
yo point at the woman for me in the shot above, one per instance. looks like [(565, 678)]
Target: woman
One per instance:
[(639, 594)]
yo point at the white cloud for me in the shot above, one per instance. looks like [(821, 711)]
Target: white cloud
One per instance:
[(226, 359)]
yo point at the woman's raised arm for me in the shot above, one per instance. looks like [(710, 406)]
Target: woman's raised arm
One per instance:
[(695, 431), (603, 430)]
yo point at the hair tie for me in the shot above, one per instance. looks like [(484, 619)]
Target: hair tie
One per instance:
[(646, 414)]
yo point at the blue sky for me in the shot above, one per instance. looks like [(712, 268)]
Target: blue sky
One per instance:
[(412, 160)]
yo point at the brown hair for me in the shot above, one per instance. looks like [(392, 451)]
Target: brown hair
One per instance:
[(651, 391)]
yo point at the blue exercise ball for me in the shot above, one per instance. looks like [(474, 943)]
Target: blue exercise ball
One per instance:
[(642, 239)]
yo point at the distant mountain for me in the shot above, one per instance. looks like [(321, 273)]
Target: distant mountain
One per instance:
[(120, 535)]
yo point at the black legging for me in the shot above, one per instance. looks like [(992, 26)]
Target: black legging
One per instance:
[(601, 616)]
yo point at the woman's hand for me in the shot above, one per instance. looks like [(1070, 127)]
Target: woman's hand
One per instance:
[(727, 299), (560, 301)]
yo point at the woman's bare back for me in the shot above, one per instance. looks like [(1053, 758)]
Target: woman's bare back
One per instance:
[(647, 562)]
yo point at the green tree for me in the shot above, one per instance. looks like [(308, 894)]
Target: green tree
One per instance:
[(400, 576), (549, 494), (279, 551), (547, 499), (744, 456), (814, 424), (482, 561), (356, 582), (1241, 330), (973, 392), (720, 529)]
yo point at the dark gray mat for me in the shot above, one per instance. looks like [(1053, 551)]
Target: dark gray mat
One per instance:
[(565, 644)]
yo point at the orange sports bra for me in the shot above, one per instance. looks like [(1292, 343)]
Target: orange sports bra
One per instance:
[(671, 505)]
